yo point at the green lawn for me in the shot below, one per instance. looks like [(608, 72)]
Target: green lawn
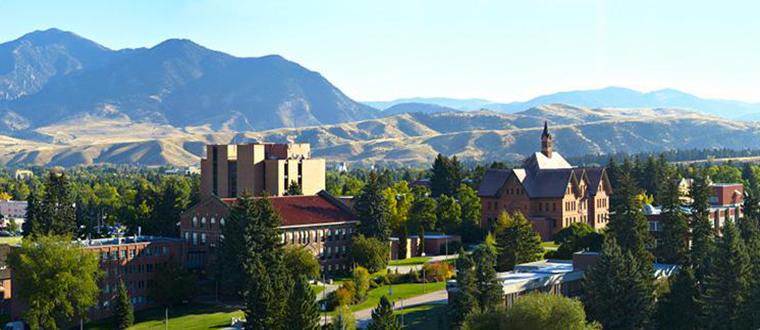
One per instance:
[(194, 316), (11, 240), (400, 291), (549, 246), (427, 316), (409, 261), (317, 289)]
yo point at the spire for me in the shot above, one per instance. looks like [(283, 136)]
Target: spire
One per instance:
[(546, 141)]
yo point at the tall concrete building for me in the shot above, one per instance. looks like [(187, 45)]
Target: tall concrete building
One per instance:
[(229, 171)]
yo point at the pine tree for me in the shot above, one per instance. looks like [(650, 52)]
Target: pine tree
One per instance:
[(448, 214), (403, 242), (727, 281), (33, 214), (702, 232), (617, 293), (489, 290), (262, 310), (231, 252), (628, 225), (383, 318), (463, 302), (294, 189), (516, 241), (679, 308), (750, 318), (123, 310), (372, 209), (302, 307), (673, 247), (446, 176)]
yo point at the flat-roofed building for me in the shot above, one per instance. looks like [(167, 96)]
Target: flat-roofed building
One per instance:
[(230, 170)]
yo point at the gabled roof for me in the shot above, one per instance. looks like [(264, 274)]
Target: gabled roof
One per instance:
[(596, 175), (539, 161), (492, 182), (307, 210), (548, 183)]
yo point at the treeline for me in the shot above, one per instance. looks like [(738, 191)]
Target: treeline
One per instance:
[(669, 155)]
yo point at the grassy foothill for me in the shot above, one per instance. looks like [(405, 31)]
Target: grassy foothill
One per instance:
[(189, 317), (409, 261)]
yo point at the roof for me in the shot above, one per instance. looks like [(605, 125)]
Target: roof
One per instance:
[(492, 181), (548, 183), (307, 210), (127, 240), (594, 176), (542, 162)]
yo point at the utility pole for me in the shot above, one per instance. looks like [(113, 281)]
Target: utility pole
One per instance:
[(166, 318)]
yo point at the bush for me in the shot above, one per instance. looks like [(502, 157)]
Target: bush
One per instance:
[(437, 271), (370, 252), (535, 311), (299, 260), (361, 282), (413, 277), (345, 294)]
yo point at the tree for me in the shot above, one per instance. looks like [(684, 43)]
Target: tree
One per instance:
[(516, 241), (231, 256), (267, 284), (360, 277), (370, 252), (67, 289), (628, 225), (54, 213), (446, 176), (617, 293), (172, 285), (372, 209), (576, 237), (727, 281), (33, 214), (399, 198), (679, 308), (302, 306), (403, 242), (470, 203), (122, 309), (294, 189), (702, 232), (536, 311), (173, 198), (448, 214), (489, 290), (463, 302), (299, 260), (383, 318), (423, 212), (673, 246), (344, 319), (750, 319), (421, 240)]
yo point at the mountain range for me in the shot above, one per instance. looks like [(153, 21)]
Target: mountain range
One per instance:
[(66, 100)]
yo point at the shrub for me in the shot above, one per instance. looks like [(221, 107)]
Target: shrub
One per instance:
[(370, 252), (300, 261), (413, 277), (361, 282), (345, 294), (437, 271)]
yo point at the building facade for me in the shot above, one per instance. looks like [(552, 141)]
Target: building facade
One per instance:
[(229, 171), (548, 191), (320, 223)]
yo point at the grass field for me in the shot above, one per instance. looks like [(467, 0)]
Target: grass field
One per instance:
[(10, 240), (409, 261), (190, 317), (422, 317), (549, 246), (400, 291)]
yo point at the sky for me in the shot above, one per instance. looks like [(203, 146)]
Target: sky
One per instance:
[(497, 50)]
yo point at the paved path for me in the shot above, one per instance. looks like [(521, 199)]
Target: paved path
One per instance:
[(407, 268)]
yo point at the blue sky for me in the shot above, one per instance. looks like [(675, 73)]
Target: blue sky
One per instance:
[(500, 50)]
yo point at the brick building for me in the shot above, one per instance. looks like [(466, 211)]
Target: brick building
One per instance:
[(320, 223), (231, 170), (548, 191)]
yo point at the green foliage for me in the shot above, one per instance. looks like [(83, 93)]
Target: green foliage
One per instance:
[(421, 240), (123, 310), (54, 213), (724, 174), (627, 223), (447, 174), (399, 198), (232, 247), (370, 252), (403, 243), (679, 309), (463, 302), (470, 204), (303, 312), (702, 232), (423, 212), (344, 319), (576, 237), (56, 278), (536, 311), (673, 247), (448, 214), (294, 189), (489, 290), (516, 241), (619, 293), (173, 285), (298, 260), (727, 282), (360, 277), (372, 208), (383, 318)]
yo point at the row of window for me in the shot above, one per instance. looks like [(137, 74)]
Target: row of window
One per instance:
[(335, 267), (333, 252), (321, 235), (132, 269), (602, 202), (137, 300), (193, 237), (194, 222), (132, 253), (131, 286)]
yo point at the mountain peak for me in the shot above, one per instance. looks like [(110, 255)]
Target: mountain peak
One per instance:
[(51, 35)]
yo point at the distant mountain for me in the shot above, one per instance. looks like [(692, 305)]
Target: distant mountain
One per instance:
[(51, 76), (618, 97), (404, 139), (415, 107), (458, 104)]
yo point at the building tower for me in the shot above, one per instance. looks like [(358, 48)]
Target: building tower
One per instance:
[(546, 142)]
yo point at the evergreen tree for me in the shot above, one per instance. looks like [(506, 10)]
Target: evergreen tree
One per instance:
[(446, 175), (372, 209), (294, 189), (516, 241), (463, 302), (471, 208), (423, 212), (302, 307), (403, 242), (448, 214), (33, 214), (617, 294), (628, 225), (54, 214), (122, 309), (679, 308), (383, 318), (489, 290), (727, 281), (231, 252), (750, 318), (701, 229), (673, 247)]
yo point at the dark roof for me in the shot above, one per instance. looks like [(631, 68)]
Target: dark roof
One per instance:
[(548, 183), (492, 181), (594, 175), (307, 210)]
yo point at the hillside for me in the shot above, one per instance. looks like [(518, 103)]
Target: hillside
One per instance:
[(410, 138), (47, 77)]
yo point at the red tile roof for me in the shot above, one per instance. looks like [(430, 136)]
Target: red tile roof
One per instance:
[(307, 210)]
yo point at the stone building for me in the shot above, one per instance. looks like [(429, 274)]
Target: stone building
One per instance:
[(548, 191), (320, 223), (232, 170)]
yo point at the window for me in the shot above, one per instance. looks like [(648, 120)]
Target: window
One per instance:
[(187, 236), (221, 221), (203, 238), (195, 222), (213, 220), (654, 226), (203, 222), (195, 238)]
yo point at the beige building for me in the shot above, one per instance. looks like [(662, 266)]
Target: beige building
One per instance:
[(231, 170)]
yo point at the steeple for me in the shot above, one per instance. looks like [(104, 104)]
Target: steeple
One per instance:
[(546, 141)]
